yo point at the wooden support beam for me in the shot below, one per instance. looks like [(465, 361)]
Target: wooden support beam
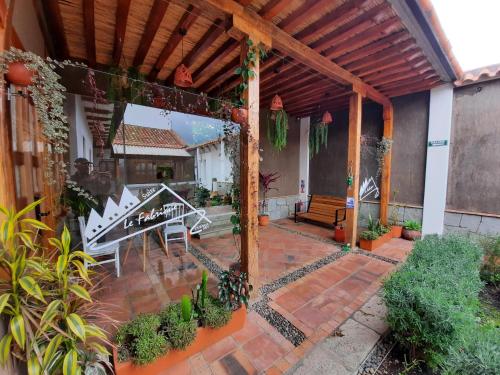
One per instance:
[(273, 8), (123, 7), (353, 163), (385, 184), (386, 54), (302, 13), (89, 28), (153, 23), (249, 176), (210, 36), (250, 22), (222, 52), (56, 28), (223, 74), (187, 19)]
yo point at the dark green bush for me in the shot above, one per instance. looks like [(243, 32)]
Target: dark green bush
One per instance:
[(216, 315), (180, 333), (433, 297), (140, 340), (490, 271)]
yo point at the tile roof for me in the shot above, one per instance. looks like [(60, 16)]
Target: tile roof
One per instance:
[(148, 137), (485, 73)]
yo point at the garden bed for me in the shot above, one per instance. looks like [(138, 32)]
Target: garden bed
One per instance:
[(205, 337), (371, 245)]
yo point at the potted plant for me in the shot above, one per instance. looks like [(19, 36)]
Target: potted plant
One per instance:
[(152, 343), (266, 179), (412, 230), (375, 236), (277, 128), (394, 219), (340, 233)]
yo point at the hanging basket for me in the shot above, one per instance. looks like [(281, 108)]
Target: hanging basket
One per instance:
[(19, 75), (183, 76), (276, 103), (327, 118), (239, 115)]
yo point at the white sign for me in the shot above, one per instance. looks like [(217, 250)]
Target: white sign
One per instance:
[(368, 187), (349, 202), (127, 212)]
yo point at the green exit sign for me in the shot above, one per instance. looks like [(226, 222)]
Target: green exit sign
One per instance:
[(442, 142)]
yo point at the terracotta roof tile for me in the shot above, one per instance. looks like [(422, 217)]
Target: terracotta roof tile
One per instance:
[(148, 137), (485, 73)]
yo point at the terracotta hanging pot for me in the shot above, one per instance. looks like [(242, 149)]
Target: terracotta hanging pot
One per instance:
[(276, 103), (183, 76), (19, 75), (239, 115), (327, 118)]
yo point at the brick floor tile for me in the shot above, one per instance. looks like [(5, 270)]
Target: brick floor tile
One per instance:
[(249, 331), (181, 368), (220, 349), (235, 363), (263, 351)]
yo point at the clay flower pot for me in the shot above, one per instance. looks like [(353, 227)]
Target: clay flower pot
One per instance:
[(276, 103), (396, 231), (19, 75), (263, 220), (327, 118), (239, 115), (340, 234), (183, 77), (411, 235)]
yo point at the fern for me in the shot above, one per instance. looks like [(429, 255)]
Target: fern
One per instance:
[(277, 129)]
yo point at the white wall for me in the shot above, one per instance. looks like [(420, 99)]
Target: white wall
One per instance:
[(436, 172), (212, 162), (78, 131)]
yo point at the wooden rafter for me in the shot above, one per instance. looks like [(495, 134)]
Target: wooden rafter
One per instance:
[(153, 23), (89, 27), (391, 52), (221, 75), (273, 8), (122, 10), (222, 52), (210, 36), (187, 19), (388, 62), (56, 28), (303, 12)]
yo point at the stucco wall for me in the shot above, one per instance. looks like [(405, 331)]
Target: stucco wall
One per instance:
[(474, 169), (285, 162), (78, 130)]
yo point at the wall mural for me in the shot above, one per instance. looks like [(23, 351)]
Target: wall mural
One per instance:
[(128, 212), (367, 188)]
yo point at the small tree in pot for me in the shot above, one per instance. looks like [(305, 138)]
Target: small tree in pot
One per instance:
[(266, 179)]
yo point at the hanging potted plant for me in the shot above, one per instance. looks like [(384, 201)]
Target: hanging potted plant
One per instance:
[(277, 124), (383, 148), (266, 179), (318, 134), (18, 74)]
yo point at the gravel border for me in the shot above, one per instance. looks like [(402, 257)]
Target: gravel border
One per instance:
[(379, 257), (377, 355)]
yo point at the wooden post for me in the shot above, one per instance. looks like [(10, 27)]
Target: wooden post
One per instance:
[(353, 162), (385, 185), (249, 175)]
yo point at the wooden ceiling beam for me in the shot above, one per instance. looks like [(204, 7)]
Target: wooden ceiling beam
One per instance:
[(287, 74), (186, 21), (55, 25), (388, 62), (249, 22), (394, 78), (298, 90), (245, 2), (153, 23), (303, 12), (89, 28), (318, 108), (364, 52), (390, 52), (314, 100), (273, 8), (362, 39), (122, 10), (222, 52), (333, 19), (409, 82), (223, 74), (210, 36), (410, 89), (418, 65)]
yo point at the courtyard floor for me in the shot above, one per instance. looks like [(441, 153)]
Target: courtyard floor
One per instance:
[(308, 288)]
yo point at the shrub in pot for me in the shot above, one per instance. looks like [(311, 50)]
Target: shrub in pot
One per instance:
[(412, 230), (266, 179), (374, 236)]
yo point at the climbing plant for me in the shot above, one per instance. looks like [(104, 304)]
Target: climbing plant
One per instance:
[(277, 129), (383, 148)]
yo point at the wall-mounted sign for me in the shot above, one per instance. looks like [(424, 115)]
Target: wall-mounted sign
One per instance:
[(438, 143), (129, 212), (368, 187), (349, 202)]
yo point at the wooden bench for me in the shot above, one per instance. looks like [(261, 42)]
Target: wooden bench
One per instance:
[(323, 209)]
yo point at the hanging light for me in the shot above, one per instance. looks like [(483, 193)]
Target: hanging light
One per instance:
[(276, 103), (327, 118), (182, 76)]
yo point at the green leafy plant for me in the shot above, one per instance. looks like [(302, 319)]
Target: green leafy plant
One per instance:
[(490, 270), (234, 289), (177, 323), (80, 201), (318, 136), (201, 194), (45, 301), (369, 235), (200, 298), (412, 225), (141, 340), (375, 229), (383, 148), (277, 129), (216, 315), (432, 300), (266, 179)]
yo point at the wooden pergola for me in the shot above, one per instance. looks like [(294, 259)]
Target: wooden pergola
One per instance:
[(325, 54)]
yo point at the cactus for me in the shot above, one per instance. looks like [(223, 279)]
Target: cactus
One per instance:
[(204, 279), (186, 309)]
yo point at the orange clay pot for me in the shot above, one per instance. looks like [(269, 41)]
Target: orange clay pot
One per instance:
[(239, 115), (205, 337), (396, 231), (263, 220), (340, 234), (19, 75), (371, 245)]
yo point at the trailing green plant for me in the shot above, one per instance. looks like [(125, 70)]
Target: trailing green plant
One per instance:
[(412, 225), (178, 325), (126, 85), (383, 148), (277, 129), (201, 194), (44, 300), (80, 201), (490, 270), (318, 136), (432, 300), (234, 289), (141, 340)]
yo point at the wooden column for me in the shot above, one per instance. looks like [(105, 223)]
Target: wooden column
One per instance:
[(249, 175), (353, 162), (385, 184)]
